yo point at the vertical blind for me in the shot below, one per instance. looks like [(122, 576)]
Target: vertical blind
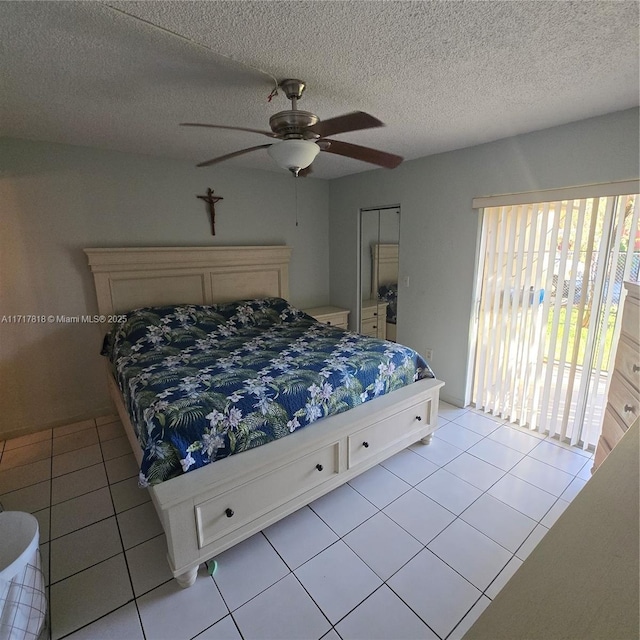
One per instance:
[(549, 285)]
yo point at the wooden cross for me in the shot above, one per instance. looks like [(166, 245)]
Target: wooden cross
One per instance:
[(211, 200)]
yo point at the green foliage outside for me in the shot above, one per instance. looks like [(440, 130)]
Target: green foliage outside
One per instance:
[(571, 325)]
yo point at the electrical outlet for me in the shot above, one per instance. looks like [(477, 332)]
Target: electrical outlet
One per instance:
[(428, 353)]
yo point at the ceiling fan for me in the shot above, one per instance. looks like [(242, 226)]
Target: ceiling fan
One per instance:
[(301, 135)]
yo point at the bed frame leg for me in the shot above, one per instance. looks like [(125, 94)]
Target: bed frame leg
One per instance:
[(427, 439), (188, 578)]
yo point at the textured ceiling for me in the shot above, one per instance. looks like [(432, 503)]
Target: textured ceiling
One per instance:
[(441, 74)]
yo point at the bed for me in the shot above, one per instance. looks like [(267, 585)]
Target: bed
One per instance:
[(211, 508), (384, 282)]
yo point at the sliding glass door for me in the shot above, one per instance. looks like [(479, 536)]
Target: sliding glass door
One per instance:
[(549, 288)]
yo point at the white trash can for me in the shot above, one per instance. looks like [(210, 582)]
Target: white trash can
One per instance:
[(23, 602)]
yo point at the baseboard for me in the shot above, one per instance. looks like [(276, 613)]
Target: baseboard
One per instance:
[(88, 415), (456, 402)]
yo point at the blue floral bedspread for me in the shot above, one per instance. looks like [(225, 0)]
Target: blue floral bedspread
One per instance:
[(204, 382)]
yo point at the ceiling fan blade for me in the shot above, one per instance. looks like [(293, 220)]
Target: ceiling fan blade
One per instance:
[(374, 156), (228, 156), (222, 126), (342, 124)]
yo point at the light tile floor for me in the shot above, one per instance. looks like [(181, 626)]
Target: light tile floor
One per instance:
[(416, 547)]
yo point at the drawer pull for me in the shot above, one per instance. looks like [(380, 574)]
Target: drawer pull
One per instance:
[(365, 444), (228, 512), (375, 313), (419, 418), (629, 408), (375, 326), (319, 467), (328, 321), (636, 368)]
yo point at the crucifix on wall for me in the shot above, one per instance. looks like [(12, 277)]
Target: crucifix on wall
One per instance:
[(211, 200)]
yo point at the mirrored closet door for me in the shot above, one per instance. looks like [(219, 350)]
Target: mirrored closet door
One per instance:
[(379, 253)]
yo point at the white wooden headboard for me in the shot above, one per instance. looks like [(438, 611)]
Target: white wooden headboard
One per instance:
[(129, 278), (384, 261)]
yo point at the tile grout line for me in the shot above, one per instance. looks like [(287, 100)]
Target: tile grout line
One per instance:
[(459, 517), (114, 515), (124, 555), (340, 537), (291, 573), (557, 498), (424, 548), (526, 455), (48, 620)]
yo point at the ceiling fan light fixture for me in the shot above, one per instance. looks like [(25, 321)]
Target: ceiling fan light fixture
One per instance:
[(294, 154)]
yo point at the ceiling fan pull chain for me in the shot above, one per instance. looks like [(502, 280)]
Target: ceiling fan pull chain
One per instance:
[(295, 183)]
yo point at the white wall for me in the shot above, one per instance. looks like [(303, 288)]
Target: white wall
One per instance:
[(56, 200), (439, 229)]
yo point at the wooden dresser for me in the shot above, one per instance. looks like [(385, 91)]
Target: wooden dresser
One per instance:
[(623, 401), (374, 319), (335, 316)]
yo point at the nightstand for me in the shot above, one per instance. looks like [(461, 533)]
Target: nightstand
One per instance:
[(334, 316), (374, 319)]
